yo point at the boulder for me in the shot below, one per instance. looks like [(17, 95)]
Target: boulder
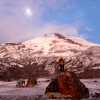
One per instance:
[(31, 82), (20, 83), (67, 85), (96, 95)]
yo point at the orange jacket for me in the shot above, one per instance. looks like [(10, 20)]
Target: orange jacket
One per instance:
[(61, 61)]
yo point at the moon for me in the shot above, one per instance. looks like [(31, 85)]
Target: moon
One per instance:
[(28, 12)]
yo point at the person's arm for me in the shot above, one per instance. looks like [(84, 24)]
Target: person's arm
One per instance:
[(63, 61), (59, 61)]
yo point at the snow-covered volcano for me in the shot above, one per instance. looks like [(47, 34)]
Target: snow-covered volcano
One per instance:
[(56, 44), (41, 55), (49, 45)]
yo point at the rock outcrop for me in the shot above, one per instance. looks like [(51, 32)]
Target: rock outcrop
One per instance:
[(66, 86), (31, 82)]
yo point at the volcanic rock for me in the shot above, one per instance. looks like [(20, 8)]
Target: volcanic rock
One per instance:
[(66, 86), (31, 82)]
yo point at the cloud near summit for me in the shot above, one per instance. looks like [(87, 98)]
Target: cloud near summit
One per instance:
[(15, 26)]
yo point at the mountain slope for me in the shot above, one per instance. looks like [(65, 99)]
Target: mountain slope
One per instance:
[(39, 56), (56, 45)]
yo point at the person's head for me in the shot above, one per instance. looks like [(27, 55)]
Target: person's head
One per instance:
[(61, 57)]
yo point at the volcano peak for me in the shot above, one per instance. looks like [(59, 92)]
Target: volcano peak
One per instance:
[(57, 35)]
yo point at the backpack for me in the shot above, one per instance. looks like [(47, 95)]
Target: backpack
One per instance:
[(61, 62)]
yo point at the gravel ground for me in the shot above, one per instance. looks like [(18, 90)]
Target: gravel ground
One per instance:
[(9, 91)]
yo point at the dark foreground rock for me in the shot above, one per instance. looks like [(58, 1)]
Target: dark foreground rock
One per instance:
[(66, 86)]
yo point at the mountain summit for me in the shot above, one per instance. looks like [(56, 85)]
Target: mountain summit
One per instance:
[(56, 44), (57, 35)]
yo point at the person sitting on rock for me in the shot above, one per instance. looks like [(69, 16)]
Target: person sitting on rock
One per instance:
[(61, 64)]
